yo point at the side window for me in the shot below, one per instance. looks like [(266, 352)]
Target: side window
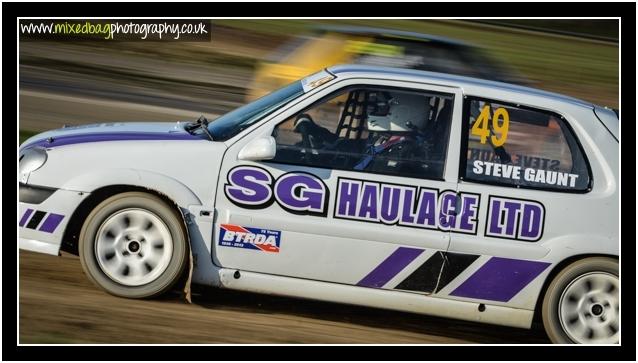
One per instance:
[(521, 147), (370, 129)]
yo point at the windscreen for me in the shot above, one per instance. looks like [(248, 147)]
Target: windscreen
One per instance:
[(230, 124)]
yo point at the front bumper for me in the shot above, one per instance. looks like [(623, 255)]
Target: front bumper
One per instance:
[(42, 225)]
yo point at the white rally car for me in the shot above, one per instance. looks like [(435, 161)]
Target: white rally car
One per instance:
[(389, 188)]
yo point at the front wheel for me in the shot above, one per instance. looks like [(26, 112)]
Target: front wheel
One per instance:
[(581, 304), (133, 245)]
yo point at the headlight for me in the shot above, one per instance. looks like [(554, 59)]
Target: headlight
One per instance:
[(32, 159)]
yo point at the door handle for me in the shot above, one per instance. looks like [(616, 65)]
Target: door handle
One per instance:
[(458, 204)]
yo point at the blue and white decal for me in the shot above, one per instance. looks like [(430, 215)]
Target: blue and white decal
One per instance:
[(517, 219), (386, 203), (266, 240), (406, 206), (252, 187)]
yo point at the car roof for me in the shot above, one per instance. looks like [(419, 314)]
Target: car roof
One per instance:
[(353, 29), (353, 70)]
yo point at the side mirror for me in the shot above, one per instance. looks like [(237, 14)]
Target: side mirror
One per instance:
[(263, 148)]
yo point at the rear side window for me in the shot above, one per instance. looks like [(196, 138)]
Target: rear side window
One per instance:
[(522, 147)]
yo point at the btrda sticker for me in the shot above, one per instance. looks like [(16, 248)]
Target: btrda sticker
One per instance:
[(260, 239)]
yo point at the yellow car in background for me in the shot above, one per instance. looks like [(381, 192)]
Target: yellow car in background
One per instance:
[(330, 45)]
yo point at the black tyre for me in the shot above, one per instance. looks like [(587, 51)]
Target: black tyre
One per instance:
[(133, 245), (581, 304)]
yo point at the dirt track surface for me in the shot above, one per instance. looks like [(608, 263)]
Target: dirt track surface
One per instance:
[(59, 305)]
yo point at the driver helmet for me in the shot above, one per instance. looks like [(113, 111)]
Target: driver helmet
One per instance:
[(401, 112)]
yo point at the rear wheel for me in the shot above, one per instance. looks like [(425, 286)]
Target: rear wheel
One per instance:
[(581, 304), (133, 245)]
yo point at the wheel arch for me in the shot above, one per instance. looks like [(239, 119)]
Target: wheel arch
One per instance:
[(180, 198)]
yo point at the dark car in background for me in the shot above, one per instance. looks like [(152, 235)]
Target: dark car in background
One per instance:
[(329, 45)]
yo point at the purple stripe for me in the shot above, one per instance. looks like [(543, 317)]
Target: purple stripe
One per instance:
[(51, 223), (499, 279), (390, 267), (25, 217), (110, 136)]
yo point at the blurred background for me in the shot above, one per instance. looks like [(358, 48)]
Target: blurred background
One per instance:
[(99, 81)]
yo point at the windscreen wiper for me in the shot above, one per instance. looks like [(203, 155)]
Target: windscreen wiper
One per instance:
[(202, 123)]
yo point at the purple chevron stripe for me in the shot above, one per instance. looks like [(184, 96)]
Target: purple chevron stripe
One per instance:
[(51, 222), (25, 217), (110, 136), (500, 279), (390, 267)]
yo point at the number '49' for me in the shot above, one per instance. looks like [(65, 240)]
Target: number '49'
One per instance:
[(481, 126)]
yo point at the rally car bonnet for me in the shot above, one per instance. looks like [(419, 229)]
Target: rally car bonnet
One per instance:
[(110, 132)]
